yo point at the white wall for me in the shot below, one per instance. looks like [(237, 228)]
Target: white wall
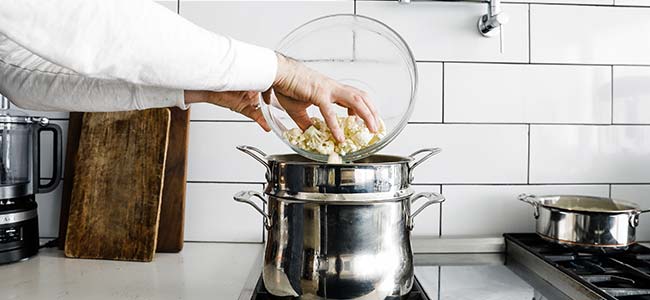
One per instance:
[(564, 110)]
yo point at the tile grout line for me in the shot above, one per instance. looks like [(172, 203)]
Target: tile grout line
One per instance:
[(530, 59), (439, 282), (610, 191), (528, 167), (527, 63), (611, 111), (456, 123), (440, 216), (443, 93), (452, 183)]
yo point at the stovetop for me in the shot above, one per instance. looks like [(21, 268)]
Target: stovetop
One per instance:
[(562, 272), (417, 293)]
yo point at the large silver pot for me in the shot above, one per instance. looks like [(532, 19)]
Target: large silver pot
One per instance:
[(584, 221), (338, 231)]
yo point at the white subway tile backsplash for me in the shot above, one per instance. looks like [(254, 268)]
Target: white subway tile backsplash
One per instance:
[(170, 4), (34, 113), (212, 155), (631, 95), (500, 93), (573, 84), (213, 215), (427, 223), (566, 34), (278, 18), (206, 112), (447, 30), (481, 210), (594, 2), (589, 154), (638, 194), (428, 102), (632, 2), (470, 153)]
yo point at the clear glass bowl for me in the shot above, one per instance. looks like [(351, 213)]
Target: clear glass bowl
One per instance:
[(358, 51)]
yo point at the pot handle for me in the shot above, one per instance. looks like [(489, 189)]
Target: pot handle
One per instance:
[(429, 152), (245, 197), (257, 154), (432, 198), (532, 200), (634, 218)]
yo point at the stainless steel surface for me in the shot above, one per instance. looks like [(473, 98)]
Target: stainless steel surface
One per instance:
[(432, 198), (556, 285), (17, 217), (338, 251), (339, 231), (585, 221), (375, 178), (493, 20), (15, 190), (436, 245), (245, 197), (453, 277), (4, 105)]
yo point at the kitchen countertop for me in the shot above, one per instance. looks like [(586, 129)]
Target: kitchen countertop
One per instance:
[(215, 271), (227, 271)]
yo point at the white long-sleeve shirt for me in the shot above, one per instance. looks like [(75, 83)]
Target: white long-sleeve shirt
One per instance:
[(98, 55)]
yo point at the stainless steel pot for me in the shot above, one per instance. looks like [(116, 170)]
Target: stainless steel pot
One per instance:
[(584, 221), (338, 231)]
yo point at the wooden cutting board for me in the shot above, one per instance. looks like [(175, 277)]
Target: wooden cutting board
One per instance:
[(117, 185), (72, 145), (172, 211)]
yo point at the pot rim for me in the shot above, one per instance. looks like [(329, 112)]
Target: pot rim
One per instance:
[(344, 199), (296, 159), (631, 207)]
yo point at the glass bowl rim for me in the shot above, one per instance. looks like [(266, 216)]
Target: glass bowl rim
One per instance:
[(390, 136)]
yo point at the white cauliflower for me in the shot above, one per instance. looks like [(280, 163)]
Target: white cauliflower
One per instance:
[(318, 138)]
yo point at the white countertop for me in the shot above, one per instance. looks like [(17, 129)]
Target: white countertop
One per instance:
[(215, 271)]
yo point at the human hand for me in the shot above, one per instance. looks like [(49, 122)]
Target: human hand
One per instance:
[(245, 103), (297, 87)]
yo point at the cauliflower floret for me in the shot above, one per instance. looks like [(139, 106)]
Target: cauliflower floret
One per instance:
[(318, 138)]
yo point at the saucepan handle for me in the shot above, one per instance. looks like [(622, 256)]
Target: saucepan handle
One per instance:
[(532, 200), (634, 218), (432, 198), (428, 153), (257, 154), (246, 196)]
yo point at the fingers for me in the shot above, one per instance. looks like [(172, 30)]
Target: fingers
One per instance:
[(255, 114), (297, 114), (329, 114), (267, 96), (353, 100), (371, 106)]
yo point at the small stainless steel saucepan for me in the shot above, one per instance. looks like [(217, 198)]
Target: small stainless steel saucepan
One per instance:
[(585, 221)]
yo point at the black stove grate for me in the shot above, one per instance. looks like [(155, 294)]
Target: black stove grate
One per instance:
[(623, 274), (417, 293)]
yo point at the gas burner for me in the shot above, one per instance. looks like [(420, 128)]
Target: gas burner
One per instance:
[(417, 293), (571, 273)]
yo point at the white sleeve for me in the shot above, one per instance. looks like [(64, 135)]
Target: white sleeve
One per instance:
[(31, 82), (137, 41)]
